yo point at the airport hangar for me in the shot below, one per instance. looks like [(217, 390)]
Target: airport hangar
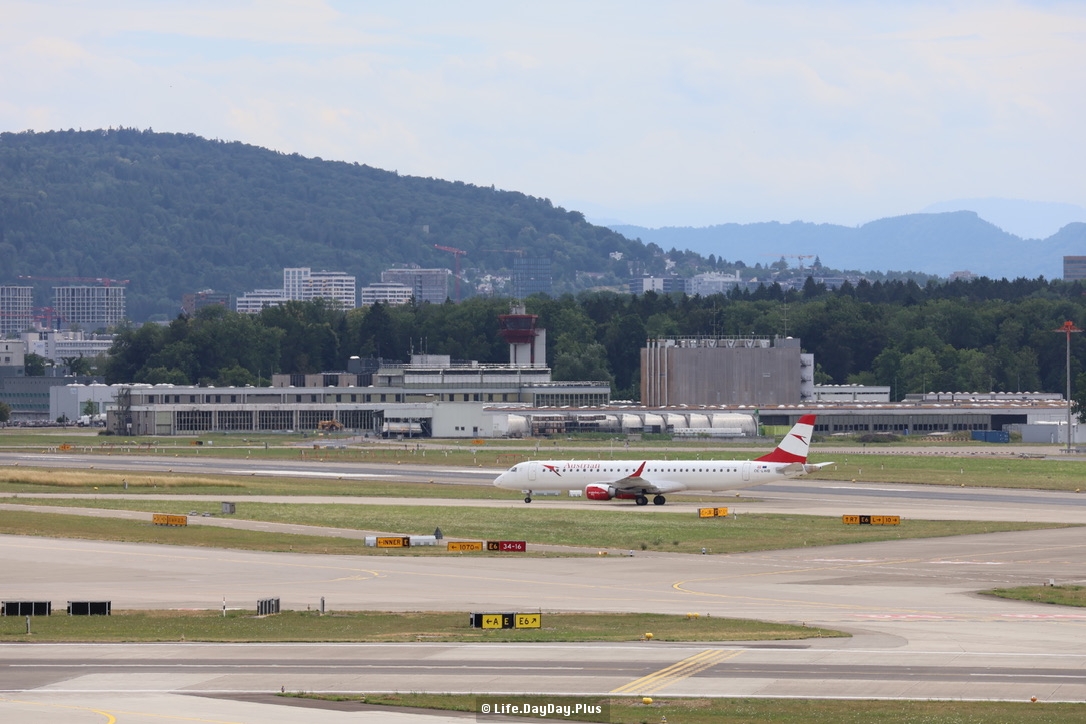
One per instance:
[(430, 399)]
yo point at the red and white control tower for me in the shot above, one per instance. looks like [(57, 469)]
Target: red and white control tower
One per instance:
[(527, 342)]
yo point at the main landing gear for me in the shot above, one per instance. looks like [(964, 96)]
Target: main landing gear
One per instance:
[(657, 500), (527, 496)]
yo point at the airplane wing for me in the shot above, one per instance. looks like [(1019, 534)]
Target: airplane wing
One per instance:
[(634, 483)]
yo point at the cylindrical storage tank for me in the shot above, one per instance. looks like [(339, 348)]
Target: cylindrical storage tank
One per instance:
[(733, 421), (699, 420), (610, 423), (675, 421), (653, 423), (517, 426)]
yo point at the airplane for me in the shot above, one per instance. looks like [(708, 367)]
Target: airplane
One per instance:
[(636, 480)]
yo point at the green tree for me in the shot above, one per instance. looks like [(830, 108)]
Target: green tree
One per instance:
[(920, 370), (79, 366), (5, 412), (236, 376), (1078, 398), (577, 361), (34, 365)]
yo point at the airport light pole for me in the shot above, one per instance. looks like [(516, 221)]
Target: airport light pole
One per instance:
[(1068, 328)]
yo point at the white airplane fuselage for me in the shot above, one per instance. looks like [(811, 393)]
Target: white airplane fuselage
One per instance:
[(639, 479), (600, 479)]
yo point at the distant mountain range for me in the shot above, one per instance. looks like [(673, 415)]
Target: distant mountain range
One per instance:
[(935, 243), (1027, 219)]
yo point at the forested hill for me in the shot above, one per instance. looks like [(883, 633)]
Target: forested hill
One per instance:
[(177, 213)]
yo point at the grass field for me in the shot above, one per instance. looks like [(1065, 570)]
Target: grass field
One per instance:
[(759, 711), (24, 480), (1003, 472), (383, 627), (671, 532), (1059, 595)]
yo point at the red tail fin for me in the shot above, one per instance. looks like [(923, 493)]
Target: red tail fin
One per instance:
[(794, 446)]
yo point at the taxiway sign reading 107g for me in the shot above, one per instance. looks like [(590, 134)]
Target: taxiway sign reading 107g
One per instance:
[(638, 479)]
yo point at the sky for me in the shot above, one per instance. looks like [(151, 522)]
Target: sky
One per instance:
[(684, 113)]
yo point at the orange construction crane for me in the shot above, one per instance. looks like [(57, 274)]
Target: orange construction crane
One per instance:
[(457, 253)]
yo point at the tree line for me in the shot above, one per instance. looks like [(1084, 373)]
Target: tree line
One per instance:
[(963, 336)]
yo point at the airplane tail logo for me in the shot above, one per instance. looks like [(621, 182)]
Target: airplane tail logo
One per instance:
[(794, 446)]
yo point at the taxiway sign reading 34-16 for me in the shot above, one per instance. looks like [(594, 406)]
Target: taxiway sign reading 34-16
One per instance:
[(637, 479)]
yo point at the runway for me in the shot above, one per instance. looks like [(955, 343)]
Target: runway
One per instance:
[(919, 628)]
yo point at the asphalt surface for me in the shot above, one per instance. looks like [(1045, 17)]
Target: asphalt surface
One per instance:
[(920, 630)]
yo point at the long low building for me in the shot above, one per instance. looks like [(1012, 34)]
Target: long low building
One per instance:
[(431, 397)]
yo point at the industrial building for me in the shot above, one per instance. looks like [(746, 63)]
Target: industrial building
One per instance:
[(716, 371)]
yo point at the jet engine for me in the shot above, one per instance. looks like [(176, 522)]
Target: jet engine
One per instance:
[(599, 491), (603, 491)]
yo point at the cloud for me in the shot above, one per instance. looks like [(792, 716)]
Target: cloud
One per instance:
[(685, 113)]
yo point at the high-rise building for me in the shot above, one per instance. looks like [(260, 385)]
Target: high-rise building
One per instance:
[(531, 275), (303, 284), (427, 285), (16, 310), (385, 293), (89, 307), (339, 287), (1074, 268), (258, 299)]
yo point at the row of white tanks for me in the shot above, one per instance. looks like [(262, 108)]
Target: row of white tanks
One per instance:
[(715, 424)]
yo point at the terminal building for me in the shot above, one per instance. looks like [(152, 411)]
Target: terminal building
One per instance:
[(435, 396), (432, 395)]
